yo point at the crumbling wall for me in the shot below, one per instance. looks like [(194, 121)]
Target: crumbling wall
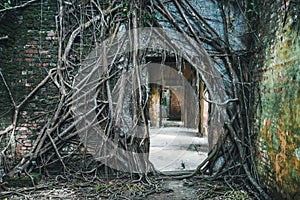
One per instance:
[(26, 57), (278, 143)]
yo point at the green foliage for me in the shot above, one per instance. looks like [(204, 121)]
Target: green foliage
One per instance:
[(253, 8), (45, 101), (23, 181), (124, 9), (6, 4), (149, 18)]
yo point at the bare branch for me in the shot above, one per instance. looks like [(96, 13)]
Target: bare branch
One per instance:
[(9, 128), (217, 103), (19, 6)]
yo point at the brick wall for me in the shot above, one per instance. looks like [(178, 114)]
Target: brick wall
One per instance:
[(278, 143), (25, 57)]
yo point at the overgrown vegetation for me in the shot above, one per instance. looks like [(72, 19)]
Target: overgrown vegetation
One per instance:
[(82, 26)]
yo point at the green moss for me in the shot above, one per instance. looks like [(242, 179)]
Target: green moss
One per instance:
[(280, 130), (275, 142), (23, 181)]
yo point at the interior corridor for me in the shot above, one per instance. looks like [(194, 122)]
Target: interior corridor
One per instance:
[(176, 148)]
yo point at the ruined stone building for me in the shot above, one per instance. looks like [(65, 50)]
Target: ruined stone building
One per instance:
[(30, 51)]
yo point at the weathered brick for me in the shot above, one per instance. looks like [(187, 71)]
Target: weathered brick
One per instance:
[(21, 58), (24, 152), (31, 51), (23, 148), (28, 55), (32, 42), (27, 144), (50, 34), (22, 129), (23, 136), (44, 51), (18, 137), (30, 59)]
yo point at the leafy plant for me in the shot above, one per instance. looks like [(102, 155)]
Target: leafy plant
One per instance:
[(253, 8), (7, 4)]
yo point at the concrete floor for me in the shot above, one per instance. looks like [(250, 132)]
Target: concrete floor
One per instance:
[(170, 146)]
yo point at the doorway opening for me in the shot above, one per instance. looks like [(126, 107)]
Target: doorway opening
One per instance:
[(171, 107), (178, 124)]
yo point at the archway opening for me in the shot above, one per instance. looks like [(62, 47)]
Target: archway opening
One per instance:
[(177, 125)]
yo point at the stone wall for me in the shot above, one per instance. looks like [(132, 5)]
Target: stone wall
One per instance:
[(278, 142), (25, 59)]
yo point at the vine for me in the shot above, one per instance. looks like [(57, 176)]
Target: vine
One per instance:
[(97, 21)]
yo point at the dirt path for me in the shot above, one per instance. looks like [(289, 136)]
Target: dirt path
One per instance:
[(175, 189), (120, 189), (172, 146)]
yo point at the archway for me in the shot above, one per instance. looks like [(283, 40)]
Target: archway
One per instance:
[(174, 116), (130, 82), (222, 45)]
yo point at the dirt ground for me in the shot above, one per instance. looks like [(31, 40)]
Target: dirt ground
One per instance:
[(117, 189), (157, 188), (170, 147), (177, 190)]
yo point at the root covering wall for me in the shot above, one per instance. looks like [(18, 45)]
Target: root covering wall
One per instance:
[(30, 51), (26, 57)]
